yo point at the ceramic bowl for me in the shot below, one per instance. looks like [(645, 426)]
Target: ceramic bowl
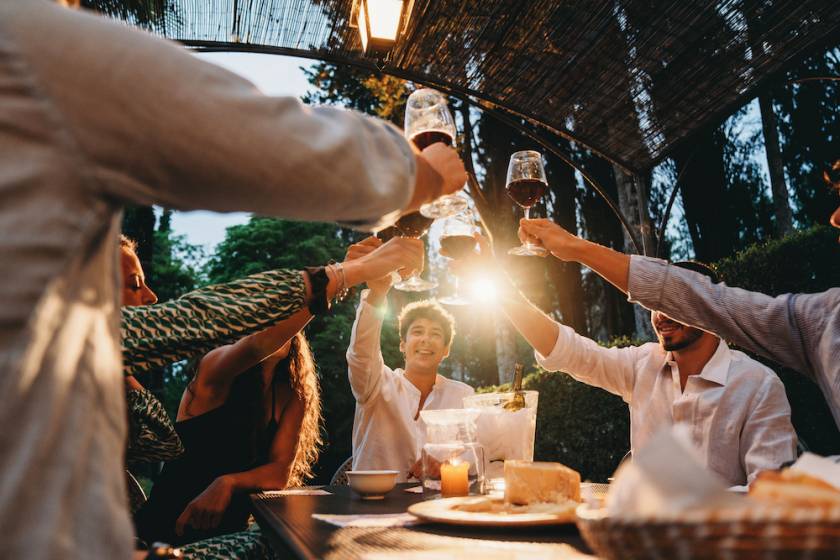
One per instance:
[(372, 485)]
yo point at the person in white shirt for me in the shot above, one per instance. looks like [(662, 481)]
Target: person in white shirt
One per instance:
[(735, 407), (387, 430)]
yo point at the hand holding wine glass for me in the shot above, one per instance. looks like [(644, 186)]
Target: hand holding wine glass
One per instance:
[(526, 185), (430, 127), (552, 237)]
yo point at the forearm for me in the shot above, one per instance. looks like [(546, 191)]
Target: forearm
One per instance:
[(536, 327), (271, 476), (613, 266)]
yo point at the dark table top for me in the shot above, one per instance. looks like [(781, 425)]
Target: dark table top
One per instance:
[(287, 522)]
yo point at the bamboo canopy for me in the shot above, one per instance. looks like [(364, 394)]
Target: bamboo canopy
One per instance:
[(629, 79)]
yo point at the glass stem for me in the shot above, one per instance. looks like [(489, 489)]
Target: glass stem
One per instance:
[(528, 217), (457, 292)]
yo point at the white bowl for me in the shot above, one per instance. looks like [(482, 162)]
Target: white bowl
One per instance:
[(372, 485)]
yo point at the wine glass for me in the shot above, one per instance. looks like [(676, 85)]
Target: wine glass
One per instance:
[(526, 185), (428, 120), (458, 240), (413, 225)]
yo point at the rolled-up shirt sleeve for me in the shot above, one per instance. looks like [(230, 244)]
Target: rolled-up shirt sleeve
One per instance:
[(612, 369), (365, 365)]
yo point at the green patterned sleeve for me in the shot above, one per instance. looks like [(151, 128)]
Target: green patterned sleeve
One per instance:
[(154, 336)]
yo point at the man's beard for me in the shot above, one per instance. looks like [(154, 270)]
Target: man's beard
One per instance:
[(692, 336)]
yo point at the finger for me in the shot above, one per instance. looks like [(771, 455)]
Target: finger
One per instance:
[(371, 241)]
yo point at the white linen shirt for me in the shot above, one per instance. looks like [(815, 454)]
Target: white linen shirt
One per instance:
[(385, 433), (735, 408)]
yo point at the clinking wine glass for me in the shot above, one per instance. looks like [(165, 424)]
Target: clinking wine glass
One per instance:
[(428, 120), (526, 185), (413, 225), (458, 241)]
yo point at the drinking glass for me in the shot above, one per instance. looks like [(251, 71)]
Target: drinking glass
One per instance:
[(428, 120), (413, 225), (458, 240), (526, 185)]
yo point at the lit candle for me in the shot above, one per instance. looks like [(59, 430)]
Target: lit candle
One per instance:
[(454, 478)]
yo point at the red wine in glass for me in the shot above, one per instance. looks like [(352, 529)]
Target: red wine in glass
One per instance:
[(457, 246), (414, 225), (426, 138), (526, 192)]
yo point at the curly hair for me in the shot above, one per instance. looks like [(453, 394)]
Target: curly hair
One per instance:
[(426, 309), (128, 243)]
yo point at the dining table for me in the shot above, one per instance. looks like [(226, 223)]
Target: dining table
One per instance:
[(286, 519)]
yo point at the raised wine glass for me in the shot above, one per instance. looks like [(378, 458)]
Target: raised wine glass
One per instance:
[(428, 120), (526, 185), (458, 241), (413, 225)]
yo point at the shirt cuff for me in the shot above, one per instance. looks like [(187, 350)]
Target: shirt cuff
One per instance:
[(646, 281), (550, 362)]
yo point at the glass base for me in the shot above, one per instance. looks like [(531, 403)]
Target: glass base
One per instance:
[(444, 207), (415, 284), (528, 251), (454, 300)]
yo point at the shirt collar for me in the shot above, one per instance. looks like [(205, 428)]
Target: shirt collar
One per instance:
[(716, 369)]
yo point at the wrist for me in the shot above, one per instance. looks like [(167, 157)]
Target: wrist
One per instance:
[(353, 273), (579, 249), (428, 184), (227, 482)]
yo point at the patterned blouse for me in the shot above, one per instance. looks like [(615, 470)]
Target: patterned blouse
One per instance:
[(155, 336)]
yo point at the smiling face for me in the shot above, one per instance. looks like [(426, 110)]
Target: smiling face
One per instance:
[(673, 336), (424, 345)]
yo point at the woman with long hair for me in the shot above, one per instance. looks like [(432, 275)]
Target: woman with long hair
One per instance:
[(249, 420)]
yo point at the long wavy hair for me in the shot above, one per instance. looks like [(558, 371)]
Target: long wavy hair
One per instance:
[(299, 371)]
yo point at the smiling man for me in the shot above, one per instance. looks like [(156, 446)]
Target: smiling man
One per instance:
[(387, 430), (735, 407)]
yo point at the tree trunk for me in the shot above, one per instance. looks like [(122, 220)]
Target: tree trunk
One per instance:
[(505, 349), (633, 203), (776, 166)]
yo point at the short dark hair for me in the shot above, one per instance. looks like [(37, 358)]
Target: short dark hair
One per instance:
[(703, 269), (426, 309), (128, 243)]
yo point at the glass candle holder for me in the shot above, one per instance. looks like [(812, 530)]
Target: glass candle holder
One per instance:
[(453, 469)]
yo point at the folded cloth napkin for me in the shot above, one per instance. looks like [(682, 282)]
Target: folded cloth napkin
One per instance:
[(665, 478), (368, 520)]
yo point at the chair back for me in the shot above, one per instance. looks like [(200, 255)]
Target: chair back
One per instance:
[(340, 476)]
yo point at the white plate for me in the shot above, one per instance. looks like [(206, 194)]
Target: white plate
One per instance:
[(441, 511)]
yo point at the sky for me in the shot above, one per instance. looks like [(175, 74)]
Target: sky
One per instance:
[(273, 75)]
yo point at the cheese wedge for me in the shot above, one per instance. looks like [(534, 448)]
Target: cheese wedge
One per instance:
[(530, 482)]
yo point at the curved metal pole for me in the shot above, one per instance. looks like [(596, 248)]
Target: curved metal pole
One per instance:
[(660, 234), (816, 79)]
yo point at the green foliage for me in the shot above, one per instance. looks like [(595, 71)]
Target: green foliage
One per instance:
[(176, 263), (805, 262)]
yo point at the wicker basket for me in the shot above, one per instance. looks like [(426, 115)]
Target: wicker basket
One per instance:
[(743, 534)]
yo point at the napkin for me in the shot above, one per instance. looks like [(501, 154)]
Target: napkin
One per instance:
[(305, 491), (666, 478), (368, 520), (826, 469), (485, 551)]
